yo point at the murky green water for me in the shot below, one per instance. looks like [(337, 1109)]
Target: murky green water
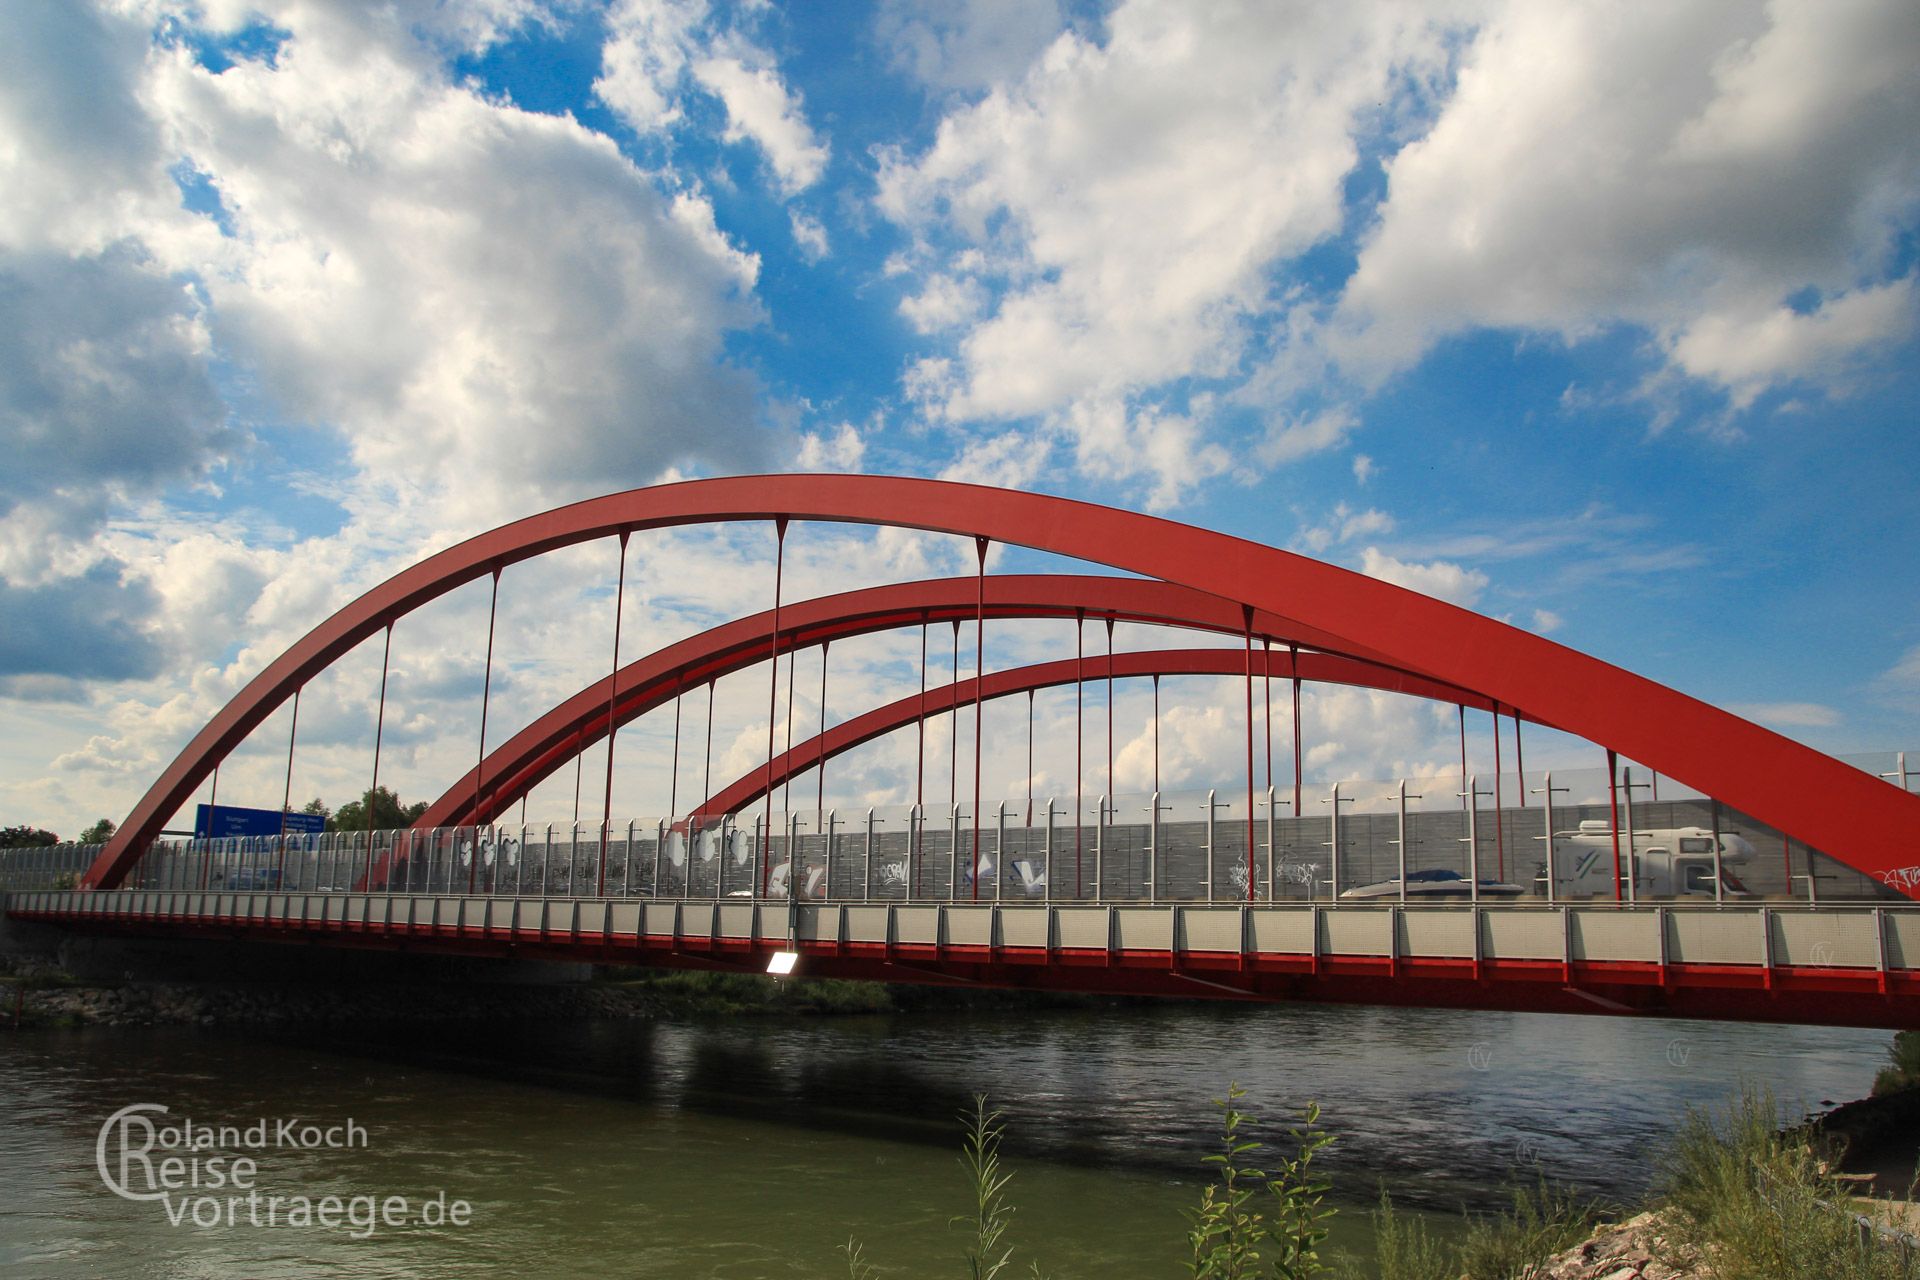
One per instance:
[(756, 1147)]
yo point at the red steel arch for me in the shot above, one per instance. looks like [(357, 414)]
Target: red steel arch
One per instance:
[(1322, 668), (533, 754), (1858, 819)]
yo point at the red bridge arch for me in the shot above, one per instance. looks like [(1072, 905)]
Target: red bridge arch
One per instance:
[(1321, 668), (1859, 820), (537, 751)]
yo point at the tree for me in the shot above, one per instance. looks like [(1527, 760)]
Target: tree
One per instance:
[(99, 833), (388, 813), (317, 805), (25, 837)]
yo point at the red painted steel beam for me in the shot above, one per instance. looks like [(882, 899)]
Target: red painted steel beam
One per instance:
[(1813, 996), (1856, 818), (557, 737), (1321, 668)]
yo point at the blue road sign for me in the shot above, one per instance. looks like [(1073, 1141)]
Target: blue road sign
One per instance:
[(218, 822)]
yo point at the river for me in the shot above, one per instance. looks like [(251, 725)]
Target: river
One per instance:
[(757, 1146)]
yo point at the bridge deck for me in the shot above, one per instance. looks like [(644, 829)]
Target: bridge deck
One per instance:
[(1839, 964)]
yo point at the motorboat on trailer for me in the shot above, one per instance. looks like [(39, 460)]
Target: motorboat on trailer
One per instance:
[(1434, 883)]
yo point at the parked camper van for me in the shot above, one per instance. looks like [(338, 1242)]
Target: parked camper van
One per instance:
[(1673, 862)]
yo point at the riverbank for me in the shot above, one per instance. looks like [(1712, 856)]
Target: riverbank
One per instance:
[(1643, 1247), (51, 998), (1828, 1197), (41, 993)]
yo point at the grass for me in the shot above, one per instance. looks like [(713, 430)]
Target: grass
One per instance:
[(1512, 1244), (1404, 1248), (1757, 1204), (1902, 1071), (1540, 1222)]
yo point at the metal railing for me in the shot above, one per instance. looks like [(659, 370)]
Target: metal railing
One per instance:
[(1359, 844)]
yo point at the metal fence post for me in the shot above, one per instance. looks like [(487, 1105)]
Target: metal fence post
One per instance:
[(1046, 885), (1273, 854), (916, 852), (999, 850), (1099, 848), (1633, 845), (1333, 841), (1473, 843), (759, 857), (866, 863), (793, 858), (1402, 841), (1209, 876)]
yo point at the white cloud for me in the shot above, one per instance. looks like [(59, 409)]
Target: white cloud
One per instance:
[(489, 311), (809, 235), (944, 302), (644, 58), (1343, 526), (1363, 469), (761, 110), (657, 49), (1288, 439), (1546, 621), (1747, 354), (841, 452), (1441, 579), (366, 282), (1127, 198), (973, 44), (1684, 169), (1793, 715), (105, 391), (1010, 460), (1115, 444), (1902, 679), (1142, 185)]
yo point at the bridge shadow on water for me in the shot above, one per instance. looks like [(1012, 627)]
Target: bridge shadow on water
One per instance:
[(1446, 1108)]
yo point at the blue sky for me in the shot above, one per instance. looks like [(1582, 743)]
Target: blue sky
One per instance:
[(1599, 319)]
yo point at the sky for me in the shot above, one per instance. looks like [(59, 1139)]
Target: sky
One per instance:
[(1597, 318)]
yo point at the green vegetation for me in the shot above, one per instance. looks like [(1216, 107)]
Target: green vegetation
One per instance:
[(1903, 1071), (1404, 1248), (987, 1252), (1739, 1196), (1541, 1222), (389, 814), (99, 833), (1228, 1231), (1759, 1205), (25, 837), (1242, 1211)]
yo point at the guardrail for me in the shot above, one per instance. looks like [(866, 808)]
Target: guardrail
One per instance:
[(1185, 848), (1862, 939)]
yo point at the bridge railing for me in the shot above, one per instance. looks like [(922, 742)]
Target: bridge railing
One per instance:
[(1478, 835), (56, 866)]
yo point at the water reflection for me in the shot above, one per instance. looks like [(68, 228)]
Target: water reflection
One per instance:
[(1454, 1100), (753, 1147)]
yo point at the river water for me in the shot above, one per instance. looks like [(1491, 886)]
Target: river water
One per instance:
[(757, 1146)]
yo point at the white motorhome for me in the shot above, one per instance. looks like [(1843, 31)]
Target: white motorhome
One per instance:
[(1670, 862)]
